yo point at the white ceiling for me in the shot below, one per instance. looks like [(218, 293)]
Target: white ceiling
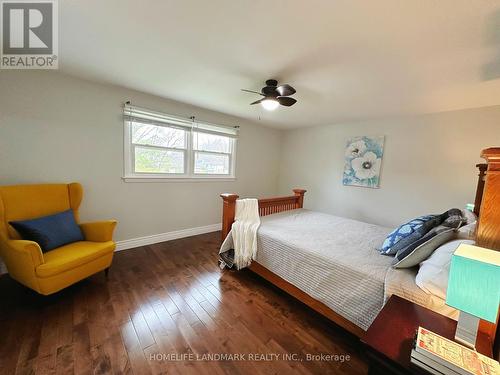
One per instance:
[(348, 59)]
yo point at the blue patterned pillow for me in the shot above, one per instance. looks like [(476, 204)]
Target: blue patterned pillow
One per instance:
[(413, 228)]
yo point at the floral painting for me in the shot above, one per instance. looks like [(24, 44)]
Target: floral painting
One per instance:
[(363, 159)]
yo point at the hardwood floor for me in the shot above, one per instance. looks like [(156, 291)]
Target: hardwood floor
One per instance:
[(166, 308)]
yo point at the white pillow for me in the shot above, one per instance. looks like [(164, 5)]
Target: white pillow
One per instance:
[(470, 217), (468, 231), (432, 276)]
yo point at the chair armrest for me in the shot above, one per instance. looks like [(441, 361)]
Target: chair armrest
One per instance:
[(23, 251), (22, 259), (98, 231)]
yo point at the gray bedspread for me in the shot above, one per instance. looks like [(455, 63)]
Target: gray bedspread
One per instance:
[(332, 259)]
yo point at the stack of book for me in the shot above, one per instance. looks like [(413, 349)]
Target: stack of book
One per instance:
[(439, 356)]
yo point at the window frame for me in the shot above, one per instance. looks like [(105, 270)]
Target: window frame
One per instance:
[(130, 175), (231, 156)]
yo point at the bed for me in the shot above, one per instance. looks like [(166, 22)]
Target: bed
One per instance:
[(315, 252), (331, 263)]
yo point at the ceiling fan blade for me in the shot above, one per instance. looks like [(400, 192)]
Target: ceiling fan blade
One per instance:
[(256, 102), (253, 92), (286, 101), (285, 90)]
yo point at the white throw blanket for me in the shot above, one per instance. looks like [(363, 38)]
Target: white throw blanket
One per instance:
[(243, 235)]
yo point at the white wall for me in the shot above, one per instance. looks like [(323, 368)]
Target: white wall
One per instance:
[(56, 128), (428, 165)]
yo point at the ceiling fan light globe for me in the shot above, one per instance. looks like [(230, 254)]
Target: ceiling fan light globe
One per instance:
[(270, 104)]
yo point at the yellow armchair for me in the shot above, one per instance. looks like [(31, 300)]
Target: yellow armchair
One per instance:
[(98, 231), (56, 269)]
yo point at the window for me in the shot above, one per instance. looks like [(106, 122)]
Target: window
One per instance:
[(212, 153), (163, 146)]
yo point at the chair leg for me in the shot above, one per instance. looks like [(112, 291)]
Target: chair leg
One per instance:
[(106, 273)]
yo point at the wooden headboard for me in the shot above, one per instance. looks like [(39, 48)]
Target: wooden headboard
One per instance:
[(480, 187), (487, 207), (488, 230)]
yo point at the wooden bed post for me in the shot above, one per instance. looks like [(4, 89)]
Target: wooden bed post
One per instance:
[(228, 210), (299, 193), (480, 187), (488, 229)]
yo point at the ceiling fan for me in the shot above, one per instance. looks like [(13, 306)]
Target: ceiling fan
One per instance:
[(274, 95)]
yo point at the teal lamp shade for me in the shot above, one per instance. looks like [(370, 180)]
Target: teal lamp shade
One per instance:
[(474, 282)]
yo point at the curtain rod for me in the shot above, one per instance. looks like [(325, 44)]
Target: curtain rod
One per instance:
[(192, 118)]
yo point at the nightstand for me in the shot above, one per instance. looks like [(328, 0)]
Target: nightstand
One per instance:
[(389, 339)]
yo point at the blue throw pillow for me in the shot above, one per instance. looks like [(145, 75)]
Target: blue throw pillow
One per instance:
[(421, 249), (410, 230), (51, 231)]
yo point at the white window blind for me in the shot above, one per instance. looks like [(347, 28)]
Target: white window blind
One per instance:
[(158, 145)]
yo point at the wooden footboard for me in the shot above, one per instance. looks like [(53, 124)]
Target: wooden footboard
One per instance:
[(267, 206)]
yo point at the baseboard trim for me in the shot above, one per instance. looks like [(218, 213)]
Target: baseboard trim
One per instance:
[(162, 237), (155, 238)]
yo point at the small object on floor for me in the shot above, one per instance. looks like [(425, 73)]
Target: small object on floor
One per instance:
[(226, 259)]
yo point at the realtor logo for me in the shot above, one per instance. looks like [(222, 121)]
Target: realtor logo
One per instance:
[(29, 34)]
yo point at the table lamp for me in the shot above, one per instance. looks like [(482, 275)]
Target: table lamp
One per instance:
[(474, 289)]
